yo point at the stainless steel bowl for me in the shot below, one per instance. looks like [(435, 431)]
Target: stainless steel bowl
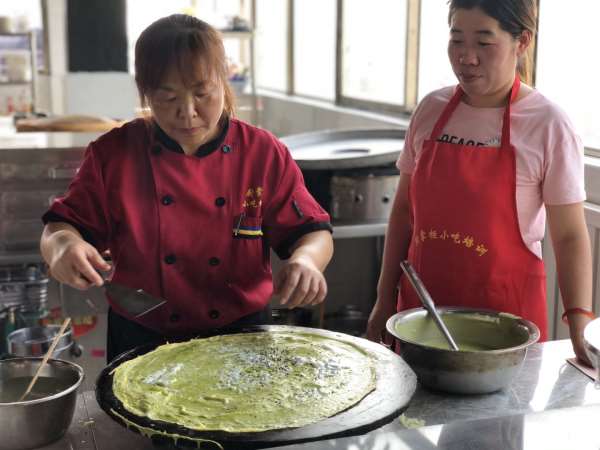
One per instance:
[(591, 337), (492, 347), (36, 421), (35, 341)]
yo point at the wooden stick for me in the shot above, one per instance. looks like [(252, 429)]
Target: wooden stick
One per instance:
[(64, 326)]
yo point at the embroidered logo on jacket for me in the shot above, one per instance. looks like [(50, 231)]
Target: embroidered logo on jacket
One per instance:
[(253, 198), (248, 223)]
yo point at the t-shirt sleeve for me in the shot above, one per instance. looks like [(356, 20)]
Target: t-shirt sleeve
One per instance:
[(84, 204), (292, 212), (564, 169), (408, 158)]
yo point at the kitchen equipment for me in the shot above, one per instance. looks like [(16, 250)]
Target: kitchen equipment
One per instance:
[(492, 347), (427, 301), (47, 356), (396, 384), (302, 317), (347, 319), (351, 173), (39, 421), (136, 302), (23, 286), (346, 149), (591, 337), (364, 195), (35, 341), (23, 298)]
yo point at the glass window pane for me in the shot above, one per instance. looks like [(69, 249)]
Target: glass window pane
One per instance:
[(271, 44), (141, 13), (435, 70), (314, 48), (373, 50), (564, 40)]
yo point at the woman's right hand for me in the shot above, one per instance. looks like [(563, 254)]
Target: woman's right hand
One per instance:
[(75, 262), (384, 309)]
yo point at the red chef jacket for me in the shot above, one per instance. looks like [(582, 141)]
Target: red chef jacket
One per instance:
[(193, 230)]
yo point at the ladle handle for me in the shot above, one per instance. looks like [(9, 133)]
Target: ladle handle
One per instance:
[(427, 301)]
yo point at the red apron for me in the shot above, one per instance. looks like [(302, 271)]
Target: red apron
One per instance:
[(466, 243)]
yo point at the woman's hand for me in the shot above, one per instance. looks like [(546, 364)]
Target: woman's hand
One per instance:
[(384, 308), (577, 323), (71, 260), (300, 283), (571, 244)]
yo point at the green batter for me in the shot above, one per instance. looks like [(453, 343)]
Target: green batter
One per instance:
[(472, 332), (246, 382)]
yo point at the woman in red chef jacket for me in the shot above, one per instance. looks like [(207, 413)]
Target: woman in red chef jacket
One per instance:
[(189, 202)]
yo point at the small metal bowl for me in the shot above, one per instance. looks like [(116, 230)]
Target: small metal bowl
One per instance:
[(36, 421), (492, 346), (35, 341)]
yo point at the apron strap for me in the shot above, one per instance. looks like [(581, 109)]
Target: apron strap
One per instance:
[(445, 116), (455, 100), (506, 120)]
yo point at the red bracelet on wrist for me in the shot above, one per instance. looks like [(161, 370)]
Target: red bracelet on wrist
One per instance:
[(570, 311)]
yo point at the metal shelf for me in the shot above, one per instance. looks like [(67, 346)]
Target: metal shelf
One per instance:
[(32, 50)]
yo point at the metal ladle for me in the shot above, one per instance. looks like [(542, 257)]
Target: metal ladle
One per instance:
[(427, 301)]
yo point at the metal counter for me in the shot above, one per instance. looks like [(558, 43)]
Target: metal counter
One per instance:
[(550, 405)]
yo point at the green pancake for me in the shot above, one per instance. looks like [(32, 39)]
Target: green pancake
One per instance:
[(247, 382)]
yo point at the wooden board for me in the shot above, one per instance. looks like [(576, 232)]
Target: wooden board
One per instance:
[(396, 384)]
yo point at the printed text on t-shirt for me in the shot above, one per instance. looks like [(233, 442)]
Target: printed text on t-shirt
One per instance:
[(462, 141)]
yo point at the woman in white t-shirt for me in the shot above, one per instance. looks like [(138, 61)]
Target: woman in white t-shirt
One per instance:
[(482, 165)]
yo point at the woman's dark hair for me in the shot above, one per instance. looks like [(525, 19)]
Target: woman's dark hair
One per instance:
[(514, 17), (184, 42)]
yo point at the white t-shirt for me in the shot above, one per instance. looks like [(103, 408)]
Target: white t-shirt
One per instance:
[(549, 153)]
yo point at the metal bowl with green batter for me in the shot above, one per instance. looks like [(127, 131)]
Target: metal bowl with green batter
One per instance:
[(492, 346)]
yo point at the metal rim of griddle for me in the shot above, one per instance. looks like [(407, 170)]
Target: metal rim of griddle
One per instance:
[(357, 158), (395, 386)]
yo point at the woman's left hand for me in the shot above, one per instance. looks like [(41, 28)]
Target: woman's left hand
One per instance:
[(300, 283), (577, 323)]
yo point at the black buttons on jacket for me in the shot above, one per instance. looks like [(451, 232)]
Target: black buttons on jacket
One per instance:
[(220, 201), (213, 314), (214, 261), (170, 259), (226, 149), (167, 200), (174, 317), (156, 150)]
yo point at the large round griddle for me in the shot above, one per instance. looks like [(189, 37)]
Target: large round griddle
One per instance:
[(396, 384), (346, 149)]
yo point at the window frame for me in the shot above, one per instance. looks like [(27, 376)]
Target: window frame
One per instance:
[(411, 79)]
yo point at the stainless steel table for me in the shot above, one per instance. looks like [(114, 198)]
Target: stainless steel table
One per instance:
[(550, 405)]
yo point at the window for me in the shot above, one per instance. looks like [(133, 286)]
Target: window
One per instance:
[(566, 38), (435, 70), (373, 50), (314, 48), (272, 44), (141, 13)]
